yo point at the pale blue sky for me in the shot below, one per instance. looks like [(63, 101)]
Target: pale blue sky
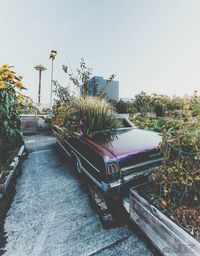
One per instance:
[(151, 45)]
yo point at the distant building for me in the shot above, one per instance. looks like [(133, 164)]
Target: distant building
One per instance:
[(98, 85)]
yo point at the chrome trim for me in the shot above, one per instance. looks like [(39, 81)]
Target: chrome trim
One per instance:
[(124, 169), (106, 169), (129, 177), (136, 175), (115, 184), (91, 177), (102, 185), (63, 148), (82, 156)]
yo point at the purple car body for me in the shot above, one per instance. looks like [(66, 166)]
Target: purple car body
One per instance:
[(117, 164)]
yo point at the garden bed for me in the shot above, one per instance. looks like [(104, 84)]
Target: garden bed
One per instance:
[(9, 168), (187, 217), (164, 225)]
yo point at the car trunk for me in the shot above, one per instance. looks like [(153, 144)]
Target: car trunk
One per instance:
[(136, 150)]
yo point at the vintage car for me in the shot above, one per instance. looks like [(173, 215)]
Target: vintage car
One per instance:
[(113, 166)]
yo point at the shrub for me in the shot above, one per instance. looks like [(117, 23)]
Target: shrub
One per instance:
[(10, 98), (179, 177), (139, 121), (62, 105), (90, 115)]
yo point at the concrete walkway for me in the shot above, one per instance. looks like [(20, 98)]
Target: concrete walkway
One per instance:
[(51, 213)]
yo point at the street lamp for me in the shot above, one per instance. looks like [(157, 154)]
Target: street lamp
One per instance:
[(52, 57), (39, 68)]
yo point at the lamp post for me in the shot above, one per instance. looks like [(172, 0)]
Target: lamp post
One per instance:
[(39, 68), (52, 58)]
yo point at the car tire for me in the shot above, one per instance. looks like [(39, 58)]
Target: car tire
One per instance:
[(101, 204)]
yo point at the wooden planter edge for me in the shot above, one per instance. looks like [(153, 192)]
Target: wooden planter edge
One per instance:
[(165, 234)]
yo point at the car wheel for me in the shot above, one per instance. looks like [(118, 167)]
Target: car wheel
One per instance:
[(100, 205)]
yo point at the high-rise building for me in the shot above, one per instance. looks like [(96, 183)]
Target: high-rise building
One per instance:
[(98, 85)]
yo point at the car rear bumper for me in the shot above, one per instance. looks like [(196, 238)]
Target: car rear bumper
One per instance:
[(121, 187)]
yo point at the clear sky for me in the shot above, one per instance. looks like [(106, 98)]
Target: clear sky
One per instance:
[(151, 45)]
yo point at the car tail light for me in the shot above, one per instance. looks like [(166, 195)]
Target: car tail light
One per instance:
[(113, 172)]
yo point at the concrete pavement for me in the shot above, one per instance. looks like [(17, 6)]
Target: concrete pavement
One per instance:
[(51, 214)]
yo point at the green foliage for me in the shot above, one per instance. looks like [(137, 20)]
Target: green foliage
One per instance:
[(10, 124), (150, 123), (176, 103), (90, 115), (62, 93), (195, 106), (122, 107), (139, 121), (81, 78), (142, 103), (160, 104), (179, 176), (62, 104), (26, 106)]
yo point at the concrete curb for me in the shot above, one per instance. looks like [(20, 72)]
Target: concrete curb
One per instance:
[(8, 174)]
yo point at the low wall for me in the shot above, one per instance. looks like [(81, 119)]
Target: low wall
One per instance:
[(31, 123)]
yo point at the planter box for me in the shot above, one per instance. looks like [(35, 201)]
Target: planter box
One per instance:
[(14, 163), (6, 181), (167, 236), (21, 151), (6, 176)]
